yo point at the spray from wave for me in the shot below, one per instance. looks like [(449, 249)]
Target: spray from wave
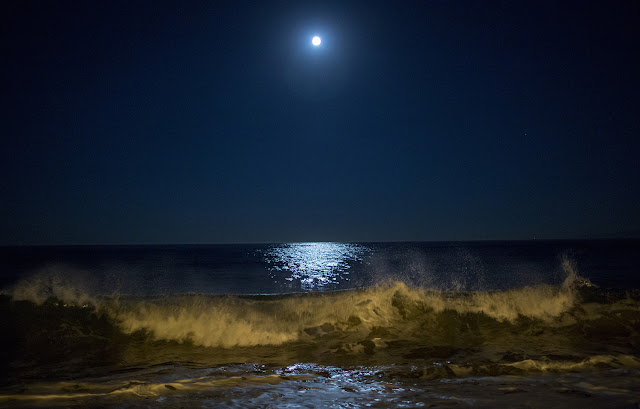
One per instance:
[(55, 282)]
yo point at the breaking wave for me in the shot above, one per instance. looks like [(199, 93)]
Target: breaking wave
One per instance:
[(391, 321)]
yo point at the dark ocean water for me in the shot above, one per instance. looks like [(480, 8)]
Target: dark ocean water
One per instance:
[(480, 324)]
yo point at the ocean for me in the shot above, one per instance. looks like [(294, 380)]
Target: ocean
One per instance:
[(517, 324)]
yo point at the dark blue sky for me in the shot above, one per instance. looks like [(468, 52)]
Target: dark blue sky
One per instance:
[(213, 122)]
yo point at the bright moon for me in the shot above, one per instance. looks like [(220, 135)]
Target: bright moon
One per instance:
[(316, 41)]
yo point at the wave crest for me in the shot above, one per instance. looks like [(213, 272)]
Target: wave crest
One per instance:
[(394, 308), (249, 321)]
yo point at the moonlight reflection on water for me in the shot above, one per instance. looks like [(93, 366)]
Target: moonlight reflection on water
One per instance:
[(313, 265)]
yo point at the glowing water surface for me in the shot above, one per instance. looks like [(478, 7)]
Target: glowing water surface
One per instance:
[(315, 265)]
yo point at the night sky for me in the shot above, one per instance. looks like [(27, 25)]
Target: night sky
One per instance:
[(219, 122)]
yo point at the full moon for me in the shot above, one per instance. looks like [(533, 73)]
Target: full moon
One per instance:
[(316, 41)]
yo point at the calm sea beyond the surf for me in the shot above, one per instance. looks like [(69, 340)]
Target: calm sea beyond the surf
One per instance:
[(544, 324)]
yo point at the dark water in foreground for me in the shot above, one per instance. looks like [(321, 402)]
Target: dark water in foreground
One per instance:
[(485, 324)]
